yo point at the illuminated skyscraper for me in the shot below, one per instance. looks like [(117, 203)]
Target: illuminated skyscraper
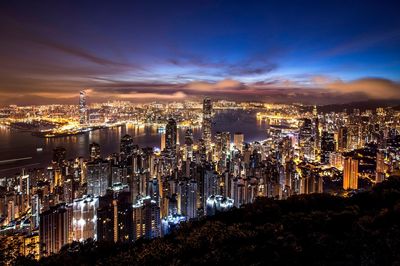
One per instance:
[(189, 144), (82, 107), (238, 139), (192, 195), (146, 219), (380, 167), (207, 121), (342, 139), (55, 229), (114, 217), (170, 138), (162, 141), (222, 148), (327, 146), (84, 221), (306, 141), (127, 146), (97, 175), (350, 173)]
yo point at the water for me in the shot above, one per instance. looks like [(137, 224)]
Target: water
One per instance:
[(15, 144)]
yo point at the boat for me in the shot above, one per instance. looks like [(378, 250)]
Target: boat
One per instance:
[(39, 149)]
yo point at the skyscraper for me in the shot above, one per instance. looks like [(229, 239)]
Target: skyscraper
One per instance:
[(55, 229), (82, 108), (98, 173), (206, 126), (84, 221), (238, 139), (146, 219), (127, 147), (342, 139), (114, 217), (189, 144), (327, 146), (170, 138), (350, 173), (380, 166), (162, 146), (306, 141)]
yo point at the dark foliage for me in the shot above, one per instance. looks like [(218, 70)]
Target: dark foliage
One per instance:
[(314, 229)]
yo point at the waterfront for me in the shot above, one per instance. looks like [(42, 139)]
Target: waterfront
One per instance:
[(16, 144)]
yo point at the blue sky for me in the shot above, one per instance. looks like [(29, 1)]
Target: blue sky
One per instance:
[(49, 50)]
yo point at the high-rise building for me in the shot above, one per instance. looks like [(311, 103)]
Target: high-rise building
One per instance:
[(353, 136), (327, 146), (189, 144), (98, 177), (222, 148), (94, 151), (162, 146), (55, 229), (306, 141), (171, 138), (114, 217), (238, 140), (350, 173), (192, 195), (127, 147), (342, 139), (84, 220), (207, 121), (82, 108), (380, 167), (146, 219)]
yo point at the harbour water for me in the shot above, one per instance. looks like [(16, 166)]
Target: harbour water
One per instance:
[(22, 150)]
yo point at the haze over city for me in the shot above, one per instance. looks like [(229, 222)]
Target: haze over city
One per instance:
[(303, 51)]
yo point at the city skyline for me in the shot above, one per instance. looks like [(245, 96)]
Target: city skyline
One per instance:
[(303, 51), (199, 132)]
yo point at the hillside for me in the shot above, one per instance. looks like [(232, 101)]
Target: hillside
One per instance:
[(303, 230)]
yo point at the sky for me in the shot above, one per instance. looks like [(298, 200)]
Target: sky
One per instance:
[(315, 52)]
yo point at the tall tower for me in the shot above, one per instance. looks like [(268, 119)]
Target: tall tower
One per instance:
[(327, 146), (380, 166), (350, 173), (126, 146), (55, 229), (238, 139), (146, 219), (171, 137), (207, 111), (82, 108), (189, 143)]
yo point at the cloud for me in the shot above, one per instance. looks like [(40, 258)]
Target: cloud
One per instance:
[(223, 85), (252, 65), (375, 88)]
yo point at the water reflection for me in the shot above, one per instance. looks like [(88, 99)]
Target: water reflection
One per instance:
[(16, 144)]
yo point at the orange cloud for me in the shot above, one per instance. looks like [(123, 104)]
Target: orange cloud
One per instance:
[(375, 88)]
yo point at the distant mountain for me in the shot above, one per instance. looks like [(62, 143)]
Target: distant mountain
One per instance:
[(317, 229), (364, 105)]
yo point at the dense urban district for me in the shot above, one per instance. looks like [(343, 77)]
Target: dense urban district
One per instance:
[(142, 193)]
